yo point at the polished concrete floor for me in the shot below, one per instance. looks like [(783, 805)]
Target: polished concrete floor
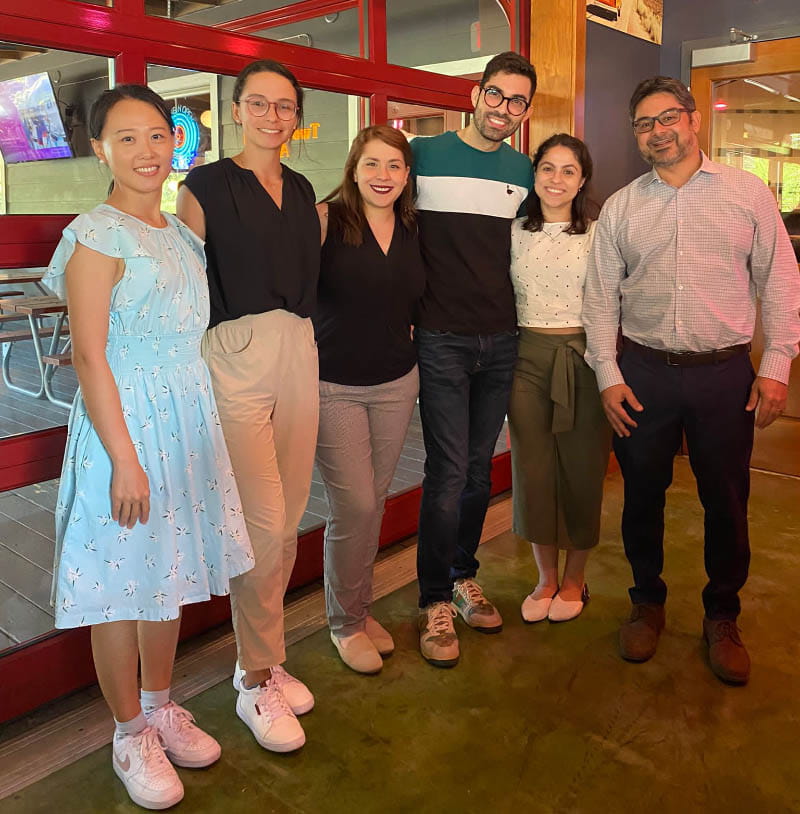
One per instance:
[(540, 718)]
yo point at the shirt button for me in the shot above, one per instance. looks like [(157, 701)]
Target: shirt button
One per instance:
[(680, 322), (680, 288)]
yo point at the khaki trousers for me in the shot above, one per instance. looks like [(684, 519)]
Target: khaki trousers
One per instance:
[(264, 371)]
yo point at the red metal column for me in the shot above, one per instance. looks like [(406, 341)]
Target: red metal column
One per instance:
[(130, 67), (377, 33), (378, 108)]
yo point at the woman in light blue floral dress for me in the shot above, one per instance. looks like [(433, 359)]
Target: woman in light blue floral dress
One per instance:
[(148, 516)]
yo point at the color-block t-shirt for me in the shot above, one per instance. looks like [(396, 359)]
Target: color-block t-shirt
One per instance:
[(467, 199)]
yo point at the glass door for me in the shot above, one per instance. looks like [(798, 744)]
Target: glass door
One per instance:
[(751, 120)]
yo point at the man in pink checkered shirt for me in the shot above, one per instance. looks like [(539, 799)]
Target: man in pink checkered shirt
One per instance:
[(679, 257)]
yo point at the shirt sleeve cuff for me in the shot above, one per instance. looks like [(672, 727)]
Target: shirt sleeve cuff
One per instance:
[(608, 374), (775, 366)]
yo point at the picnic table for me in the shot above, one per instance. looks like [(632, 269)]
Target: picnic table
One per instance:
[(14, 278), (37, 311)]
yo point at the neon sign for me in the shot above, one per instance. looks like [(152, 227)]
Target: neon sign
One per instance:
[(187, 138)]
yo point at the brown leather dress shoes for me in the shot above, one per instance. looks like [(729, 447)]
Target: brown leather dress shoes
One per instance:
[(726, 654), (638, 637)]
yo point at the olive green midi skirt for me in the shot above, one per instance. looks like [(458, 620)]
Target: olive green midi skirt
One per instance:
[(560, 442)]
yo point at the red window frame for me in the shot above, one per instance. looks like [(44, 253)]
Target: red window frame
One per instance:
[(134, 40)]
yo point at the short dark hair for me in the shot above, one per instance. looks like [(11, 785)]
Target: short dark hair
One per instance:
[(108, 98), (268, 66), (662, 84), (510, 62), (583, 209)]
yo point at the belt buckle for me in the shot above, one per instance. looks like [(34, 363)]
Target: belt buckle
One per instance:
[(675, 355)]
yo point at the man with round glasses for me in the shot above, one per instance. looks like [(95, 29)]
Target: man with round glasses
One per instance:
[(470, 185), (679, 257)]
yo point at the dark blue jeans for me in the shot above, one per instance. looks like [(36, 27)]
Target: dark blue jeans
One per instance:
[(465, 384), (707, 404)]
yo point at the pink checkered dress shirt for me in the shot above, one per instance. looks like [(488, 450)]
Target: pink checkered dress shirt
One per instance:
[(683, 268)]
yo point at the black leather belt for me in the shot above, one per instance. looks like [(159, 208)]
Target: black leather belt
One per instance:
[(676, 358)]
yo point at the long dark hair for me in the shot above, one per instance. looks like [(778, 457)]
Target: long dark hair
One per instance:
[(583, 209), (108, 98), (351, 215)]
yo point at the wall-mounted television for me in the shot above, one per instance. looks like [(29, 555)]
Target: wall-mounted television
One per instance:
[(31, 128)]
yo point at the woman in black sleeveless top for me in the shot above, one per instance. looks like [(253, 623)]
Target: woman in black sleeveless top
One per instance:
[(261, 230), (371, 278)]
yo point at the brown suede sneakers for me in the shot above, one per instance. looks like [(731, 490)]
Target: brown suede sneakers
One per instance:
[(726, 653), (638, 637)]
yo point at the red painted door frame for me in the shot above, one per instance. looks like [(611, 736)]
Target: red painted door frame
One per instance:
[(135, 40)]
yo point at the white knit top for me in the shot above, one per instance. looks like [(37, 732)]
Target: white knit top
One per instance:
[(548, 269)]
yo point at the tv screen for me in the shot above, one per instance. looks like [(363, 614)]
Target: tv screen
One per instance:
[(30, 123)]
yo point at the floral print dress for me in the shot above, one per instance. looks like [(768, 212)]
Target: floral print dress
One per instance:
[(195, 539)]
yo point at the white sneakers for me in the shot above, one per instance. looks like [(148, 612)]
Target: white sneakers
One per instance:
[(297, 695), (270, 718), (271, 709), (140, 763), (184, 743)]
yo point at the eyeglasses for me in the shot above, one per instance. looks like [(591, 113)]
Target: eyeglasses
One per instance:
[(667, 117), (259, 106), (516, 105)]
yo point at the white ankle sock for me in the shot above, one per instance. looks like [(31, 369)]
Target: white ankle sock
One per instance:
[(132, 727), (154, 699)]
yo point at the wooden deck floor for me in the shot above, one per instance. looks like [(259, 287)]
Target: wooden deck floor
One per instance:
[(27, 515), (20, 413)]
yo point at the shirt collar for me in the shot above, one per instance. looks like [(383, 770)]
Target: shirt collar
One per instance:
[(706, 165)]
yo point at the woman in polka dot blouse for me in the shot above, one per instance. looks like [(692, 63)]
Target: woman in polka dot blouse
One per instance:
[(560, 438)]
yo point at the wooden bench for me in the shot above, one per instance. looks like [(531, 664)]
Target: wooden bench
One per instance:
[(58, 359), (20, 336), (12, 318)]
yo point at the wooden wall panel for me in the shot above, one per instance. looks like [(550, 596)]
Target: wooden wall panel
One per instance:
[(558, 52)]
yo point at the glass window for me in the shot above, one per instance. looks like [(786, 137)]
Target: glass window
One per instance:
[(46, 162), (34, 395), (195, 111), (191, 10), (319, 146), (756, 126), (338, 32), (420, 120), (451, 37)]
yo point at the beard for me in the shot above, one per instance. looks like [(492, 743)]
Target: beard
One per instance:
[(680, 150), (491, 133)]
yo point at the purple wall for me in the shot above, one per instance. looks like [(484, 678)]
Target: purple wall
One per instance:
[(615, 63)]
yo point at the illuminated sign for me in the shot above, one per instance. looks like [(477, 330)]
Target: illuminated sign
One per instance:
[(302, 134), (187, 138)]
